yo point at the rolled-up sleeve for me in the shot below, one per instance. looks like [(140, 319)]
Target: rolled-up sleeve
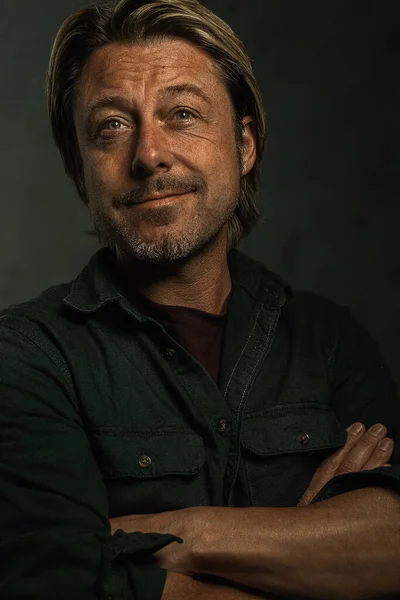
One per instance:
[(55, 535), (362, 389)]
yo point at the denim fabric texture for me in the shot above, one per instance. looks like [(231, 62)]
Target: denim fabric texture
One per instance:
[(103, 413)]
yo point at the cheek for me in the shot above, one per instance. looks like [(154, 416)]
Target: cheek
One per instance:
[(102, 174), (93, 182), (227, 163), (225, 169)]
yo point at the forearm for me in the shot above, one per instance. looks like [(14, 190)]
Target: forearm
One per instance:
[(345, 547), (184, 587)]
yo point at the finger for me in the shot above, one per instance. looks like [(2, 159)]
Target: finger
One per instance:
[(328, 467), (361, 452), (381, 455)]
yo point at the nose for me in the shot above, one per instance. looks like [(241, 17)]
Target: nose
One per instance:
[(151, 153)]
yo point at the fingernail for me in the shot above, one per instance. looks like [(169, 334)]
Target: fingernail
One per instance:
[(376, 429), (355, 428), (386, 444)]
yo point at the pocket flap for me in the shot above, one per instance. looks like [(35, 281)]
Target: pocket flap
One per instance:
[(123, 452), (294, 430)]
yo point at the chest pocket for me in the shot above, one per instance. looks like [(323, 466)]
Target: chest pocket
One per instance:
[(150, 471), (282, 450)]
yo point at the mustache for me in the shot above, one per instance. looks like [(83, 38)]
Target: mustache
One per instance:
[(169, 185)]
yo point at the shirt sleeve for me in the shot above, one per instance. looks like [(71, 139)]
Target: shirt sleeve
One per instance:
[(362, 390), (55, 536)]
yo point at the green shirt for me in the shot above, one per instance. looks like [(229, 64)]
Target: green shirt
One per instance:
[(103, 413)]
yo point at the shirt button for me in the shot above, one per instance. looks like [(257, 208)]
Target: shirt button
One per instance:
[(170, 353), (304, 438), (144, 461), (222, 426)]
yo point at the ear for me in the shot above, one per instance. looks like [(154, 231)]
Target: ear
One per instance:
[(249, 145)]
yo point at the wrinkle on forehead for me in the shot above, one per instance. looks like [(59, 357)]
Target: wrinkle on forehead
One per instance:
[(143, 68)]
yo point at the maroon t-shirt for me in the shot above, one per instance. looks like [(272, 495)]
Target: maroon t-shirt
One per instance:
[(198, 331)]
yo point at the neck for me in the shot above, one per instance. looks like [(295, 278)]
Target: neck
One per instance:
[(202, 281)]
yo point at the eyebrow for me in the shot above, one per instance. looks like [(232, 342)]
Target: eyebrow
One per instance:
[(168, 92), (186, 88), (104, 102)]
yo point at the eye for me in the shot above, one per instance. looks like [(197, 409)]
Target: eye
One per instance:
[(184, 115), (107, 128), (112, 124), (110, 129)]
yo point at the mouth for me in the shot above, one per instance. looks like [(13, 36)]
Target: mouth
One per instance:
[(161, 198)]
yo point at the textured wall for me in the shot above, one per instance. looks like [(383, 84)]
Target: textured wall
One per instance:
[(329, 72)]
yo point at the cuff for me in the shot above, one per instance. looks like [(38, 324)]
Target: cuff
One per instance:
[(386, 477), (126, 571)]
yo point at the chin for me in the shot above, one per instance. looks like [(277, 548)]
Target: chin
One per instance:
[(157, 253)]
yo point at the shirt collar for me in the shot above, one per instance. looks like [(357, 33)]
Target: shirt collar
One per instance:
[(97, 284)]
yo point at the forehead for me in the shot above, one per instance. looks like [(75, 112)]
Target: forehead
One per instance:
[(138, 70)]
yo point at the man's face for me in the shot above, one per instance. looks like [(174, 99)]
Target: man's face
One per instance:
[(156, 132)]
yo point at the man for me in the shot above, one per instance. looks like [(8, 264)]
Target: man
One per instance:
[(173, 422)]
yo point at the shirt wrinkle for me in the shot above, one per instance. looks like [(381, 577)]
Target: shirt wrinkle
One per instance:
[(235, 410)]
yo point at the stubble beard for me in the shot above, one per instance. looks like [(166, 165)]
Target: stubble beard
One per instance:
[(125, 235)]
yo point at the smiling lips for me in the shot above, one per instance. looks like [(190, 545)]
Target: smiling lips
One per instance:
[(161, 197)]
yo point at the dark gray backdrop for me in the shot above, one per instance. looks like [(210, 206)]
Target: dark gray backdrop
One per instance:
[(329, 73)]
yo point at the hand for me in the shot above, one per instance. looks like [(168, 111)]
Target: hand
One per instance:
[(362, 451)]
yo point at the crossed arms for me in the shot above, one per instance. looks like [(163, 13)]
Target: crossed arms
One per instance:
[(54, 507), (343, 547)]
